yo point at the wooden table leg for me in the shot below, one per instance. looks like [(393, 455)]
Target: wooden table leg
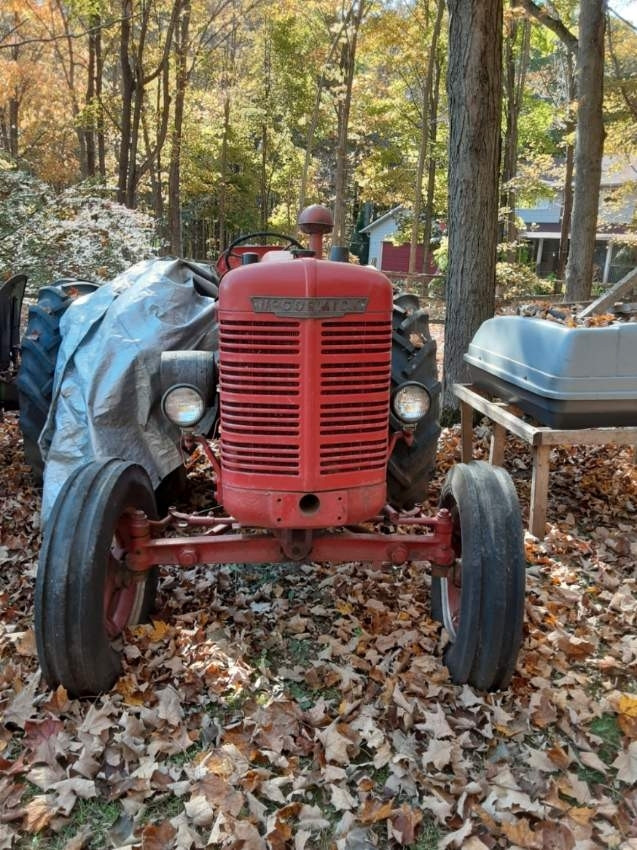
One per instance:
[(496, 450), (466, 429), (539, 490)]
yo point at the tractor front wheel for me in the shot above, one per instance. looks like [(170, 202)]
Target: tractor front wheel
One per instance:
[(85, 596), (481, 602)]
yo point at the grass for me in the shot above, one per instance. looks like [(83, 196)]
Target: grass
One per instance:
[(606, 727), (95, 817), (428, 837), (162, 808)]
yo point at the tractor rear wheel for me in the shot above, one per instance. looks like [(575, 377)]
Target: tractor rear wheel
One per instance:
[(481, 604), (40, 346), (84, 595), (413, 359)]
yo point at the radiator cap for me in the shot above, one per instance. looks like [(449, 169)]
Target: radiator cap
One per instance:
[(316, 219)]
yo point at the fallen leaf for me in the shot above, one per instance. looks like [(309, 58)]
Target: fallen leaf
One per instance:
[(373, 811), (519, 832), (626, 764), (404, 823), (158, 836)]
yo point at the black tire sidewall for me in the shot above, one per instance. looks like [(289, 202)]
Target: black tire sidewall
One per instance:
[(459, 490), (489, 632), (73, 644)]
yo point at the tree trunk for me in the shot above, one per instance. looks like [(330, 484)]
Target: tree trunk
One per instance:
[(154, 170), (424, 138), (67, 63), (265, 139), (127, 83), (475, 91), (312, 126), (589, 145), (174, 195), (228, 80), (14, 126), (431, 177), (99, 123), (223, 182), (348, 63), (567, 207), (138, 92), (91, 153), (13, 118), (514, 79)]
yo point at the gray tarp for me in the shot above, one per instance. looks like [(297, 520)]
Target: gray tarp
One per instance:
[(106, 390)]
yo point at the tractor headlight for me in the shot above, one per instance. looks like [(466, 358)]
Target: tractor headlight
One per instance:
[(183, 405), (411, 402)]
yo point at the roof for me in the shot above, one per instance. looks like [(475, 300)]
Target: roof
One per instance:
[(382, 219)]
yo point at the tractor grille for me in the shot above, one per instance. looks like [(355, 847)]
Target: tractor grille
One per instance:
[(260, 376), (355, 366), (343, 392)]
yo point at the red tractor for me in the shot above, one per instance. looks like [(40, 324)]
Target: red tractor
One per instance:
[(325, 397)]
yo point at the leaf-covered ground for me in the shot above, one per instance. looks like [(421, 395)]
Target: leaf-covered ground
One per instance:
[(307, 707)]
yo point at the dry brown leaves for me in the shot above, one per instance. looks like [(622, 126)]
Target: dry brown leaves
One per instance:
[(569, 317), (307, 707)]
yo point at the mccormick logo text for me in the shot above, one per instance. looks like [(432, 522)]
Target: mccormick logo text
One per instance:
[(306, 308)]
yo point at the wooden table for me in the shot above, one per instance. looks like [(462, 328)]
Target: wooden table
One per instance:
[(541, 439)]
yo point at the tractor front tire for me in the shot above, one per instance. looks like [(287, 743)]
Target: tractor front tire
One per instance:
[(84, 595), (410, 467), (482, 603), (40, 346)]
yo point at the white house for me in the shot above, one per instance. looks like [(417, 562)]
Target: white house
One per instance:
[(387, 256), (378, 231), (613, 257)]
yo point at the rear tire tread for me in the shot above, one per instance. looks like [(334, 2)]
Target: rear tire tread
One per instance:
[(40, 346), (410, 467)]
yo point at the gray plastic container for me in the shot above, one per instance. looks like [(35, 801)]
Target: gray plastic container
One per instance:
[(564, 377)]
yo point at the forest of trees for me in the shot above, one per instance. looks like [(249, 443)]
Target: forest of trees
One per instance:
[(237, 112), (217, 117)]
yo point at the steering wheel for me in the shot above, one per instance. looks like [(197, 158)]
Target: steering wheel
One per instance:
[(223, 263)]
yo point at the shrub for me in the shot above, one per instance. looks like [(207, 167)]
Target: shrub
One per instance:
[(513, 279), (75, 233)]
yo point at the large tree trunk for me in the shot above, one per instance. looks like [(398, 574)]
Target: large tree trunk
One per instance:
[(475, 91), (424, 139), (589, 145)]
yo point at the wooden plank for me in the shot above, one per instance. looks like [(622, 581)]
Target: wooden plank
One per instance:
[(541, 439), (539, 491), (621, 436), (466, 429), (496, 412), (496, 450), (543, 435), (606, 301)]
